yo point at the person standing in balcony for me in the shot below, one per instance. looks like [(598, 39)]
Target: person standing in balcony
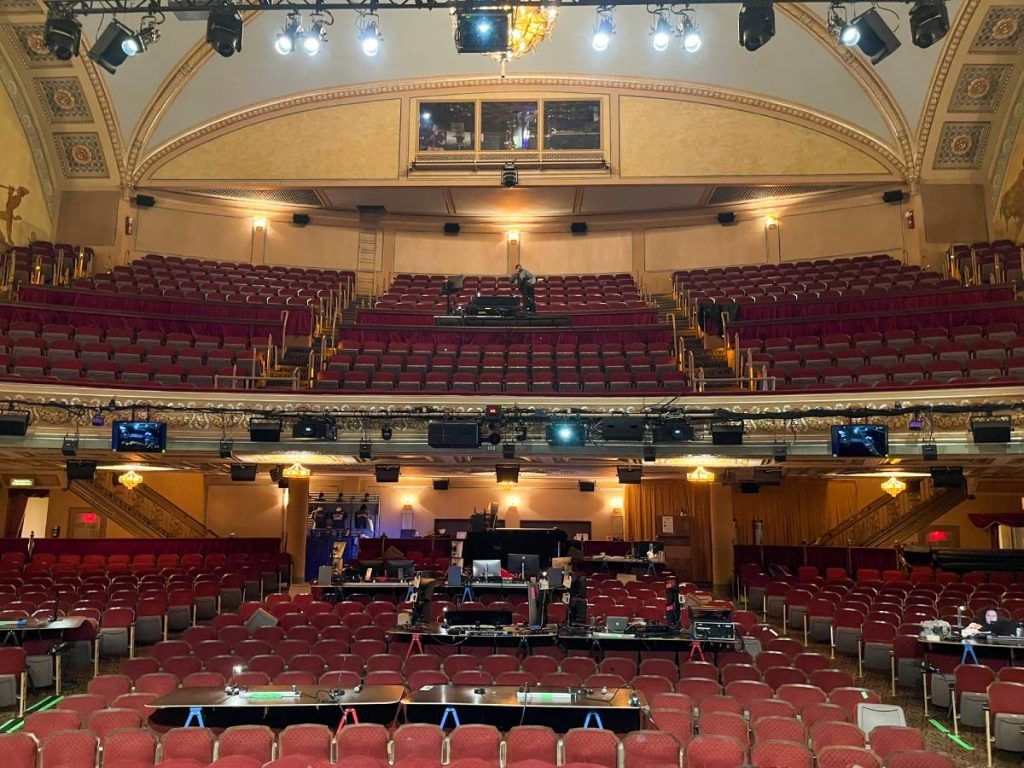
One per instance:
[(525, 282)]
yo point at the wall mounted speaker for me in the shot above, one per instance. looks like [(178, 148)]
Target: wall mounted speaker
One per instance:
[(578, 227), (452, 227), (622, 428), (892, 196), (441, 484), (144, 201), (301, 219), (263, 431), (929, 451), (767, 476), (14, 423), (243, 473), (947, 477), (629, 475), (995, 429), (80, 470), (387, 473), (506, 473), (726, 218), (730, 433), (453, 434), (587, 486)]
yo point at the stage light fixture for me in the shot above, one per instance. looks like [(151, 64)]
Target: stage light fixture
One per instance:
[(494, 437), (757, 23), (506, 473), (365, 449), (114, 46), (314, 39), (929, 452), (69, 446), (839, 26), (290, 35), (509, 175), (63, 34), (929, 22), (508, 451), (874, 37), (370, 37), (604, 28), (385, 432), (661, 30), (650, 453), (492, 411), (915, 424), (227, 446), (692, 40), (224, 30), (566, 433), (780, 452)]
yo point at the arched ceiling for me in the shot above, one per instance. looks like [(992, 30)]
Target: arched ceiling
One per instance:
[(914, 101)]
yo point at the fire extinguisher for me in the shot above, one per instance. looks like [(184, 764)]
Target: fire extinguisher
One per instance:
[(129, 224), (909, 217)]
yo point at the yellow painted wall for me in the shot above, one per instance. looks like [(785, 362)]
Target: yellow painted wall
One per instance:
[(702, 140), (17, 169), (1008, 213)]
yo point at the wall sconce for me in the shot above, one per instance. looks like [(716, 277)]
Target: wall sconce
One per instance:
[(259, 223), (771, 221), (513, 502), (513, 236), (408, 500)]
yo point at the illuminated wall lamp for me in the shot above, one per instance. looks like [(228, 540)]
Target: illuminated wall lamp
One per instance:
[(513, 236), (259, 223), (513, 502), (408, 501), (771, 221)]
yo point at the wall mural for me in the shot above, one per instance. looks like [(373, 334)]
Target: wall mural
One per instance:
[(14, 197), (1011, 207)]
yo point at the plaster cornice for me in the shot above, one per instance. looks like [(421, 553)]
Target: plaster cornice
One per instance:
[(36, 145)]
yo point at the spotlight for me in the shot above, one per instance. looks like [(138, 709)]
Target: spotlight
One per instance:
[(566, 433), (494, 438), (841, 29), (227, 445), (63, 35), (661, 31), (369, 34), (224, 30), (314, 39), (292, 32), (691, 35), (385, 432), (603, 29), (874, 37), (509, 175), (114, 46), (757, 23), (69, 447), (929, 22), (849, 35)]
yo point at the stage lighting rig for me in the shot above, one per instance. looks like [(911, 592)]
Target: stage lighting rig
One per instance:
[(370, 37), (873, 36), (566, 432), (604, 28), (118, 43), (840, 27), (224, 30), (509, 175), (661, 29), (757, 23), (63, 34), (690, 31), (929, 22), (314, 39), (288, 38)]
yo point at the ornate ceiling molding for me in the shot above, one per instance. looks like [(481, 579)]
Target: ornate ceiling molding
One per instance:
[(829, 124), (865, 76), (32, 134), (99, 87), (950, 47)]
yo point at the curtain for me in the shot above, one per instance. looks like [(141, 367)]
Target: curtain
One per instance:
[(799, 511), (644, 502), (17, 501)]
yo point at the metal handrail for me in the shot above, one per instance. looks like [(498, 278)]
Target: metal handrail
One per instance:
[(675, 332)]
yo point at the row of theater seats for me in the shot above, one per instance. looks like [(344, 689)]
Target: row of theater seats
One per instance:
[(537, 382), (994, 336), (838, 289), (983, 261), (823, 274), (51, 334)]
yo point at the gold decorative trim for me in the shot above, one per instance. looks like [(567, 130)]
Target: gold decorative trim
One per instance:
[(109, 115), (951, 46), (712, 94), (37, 146)]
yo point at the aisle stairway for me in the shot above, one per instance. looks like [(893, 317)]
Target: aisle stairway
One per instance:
[(713, 361), (142, 511)]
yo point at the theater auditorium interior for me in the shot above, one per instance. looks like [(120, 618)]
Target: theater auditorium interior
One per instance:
[(584, 383)]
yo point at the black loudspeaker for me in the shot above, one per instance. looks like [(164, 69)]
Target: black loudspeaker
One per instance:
[(302, 219), (441, 484), (947, 477), (630, 475), (243, 473), (622, 428), (387, 473), (262, 431), (578, 227), (892, 196), (673, 431), (650, 453), (260, 619), (81, 470), (506, 473), (749, 487), (727, 434), (144, 201), (929, 451), (14, 423), (726, 217), (990, 430), (767, 476), (587, 486), (453, 434), (452, 227)]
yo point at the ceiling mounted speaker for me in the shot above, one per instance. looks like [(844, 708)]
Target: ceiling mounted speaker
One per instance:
[(80, 470), (622, 428), (387, 473), (630, 475), (726, 217), (144, 201), (301, 219), (892, 196), (441, 484), (995, 429), (587, 486), (578, 227), (243, 473), (453, 434), (452, 227), (14, 423)]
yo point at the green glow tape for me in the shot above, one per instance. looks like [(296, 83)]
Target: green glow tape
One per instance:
[(863, 694), (940, 726), (961, 742), (17, 727), (51, 704)]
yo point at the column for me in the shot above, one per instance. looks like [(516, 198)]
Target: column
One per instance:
[(722, 539), (295, 526)]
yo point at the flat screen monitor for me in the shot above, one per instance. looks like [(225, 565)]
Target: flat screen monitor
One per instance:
[(486, 569), (860, 440), (524, 566), (399, 569), (486, 618), (139, 436)]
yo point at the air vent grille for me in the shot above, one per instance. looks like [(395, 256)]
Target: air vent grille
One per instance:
[(739, 193), (306, 197)]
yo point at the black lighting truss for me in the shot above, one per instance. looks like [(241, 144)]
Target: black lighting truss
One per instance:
[(195, 8)]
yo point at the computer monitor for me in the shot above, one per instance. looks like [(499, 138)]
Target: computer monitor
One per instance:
[(524, 566), (487, 569), (400, 569)]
